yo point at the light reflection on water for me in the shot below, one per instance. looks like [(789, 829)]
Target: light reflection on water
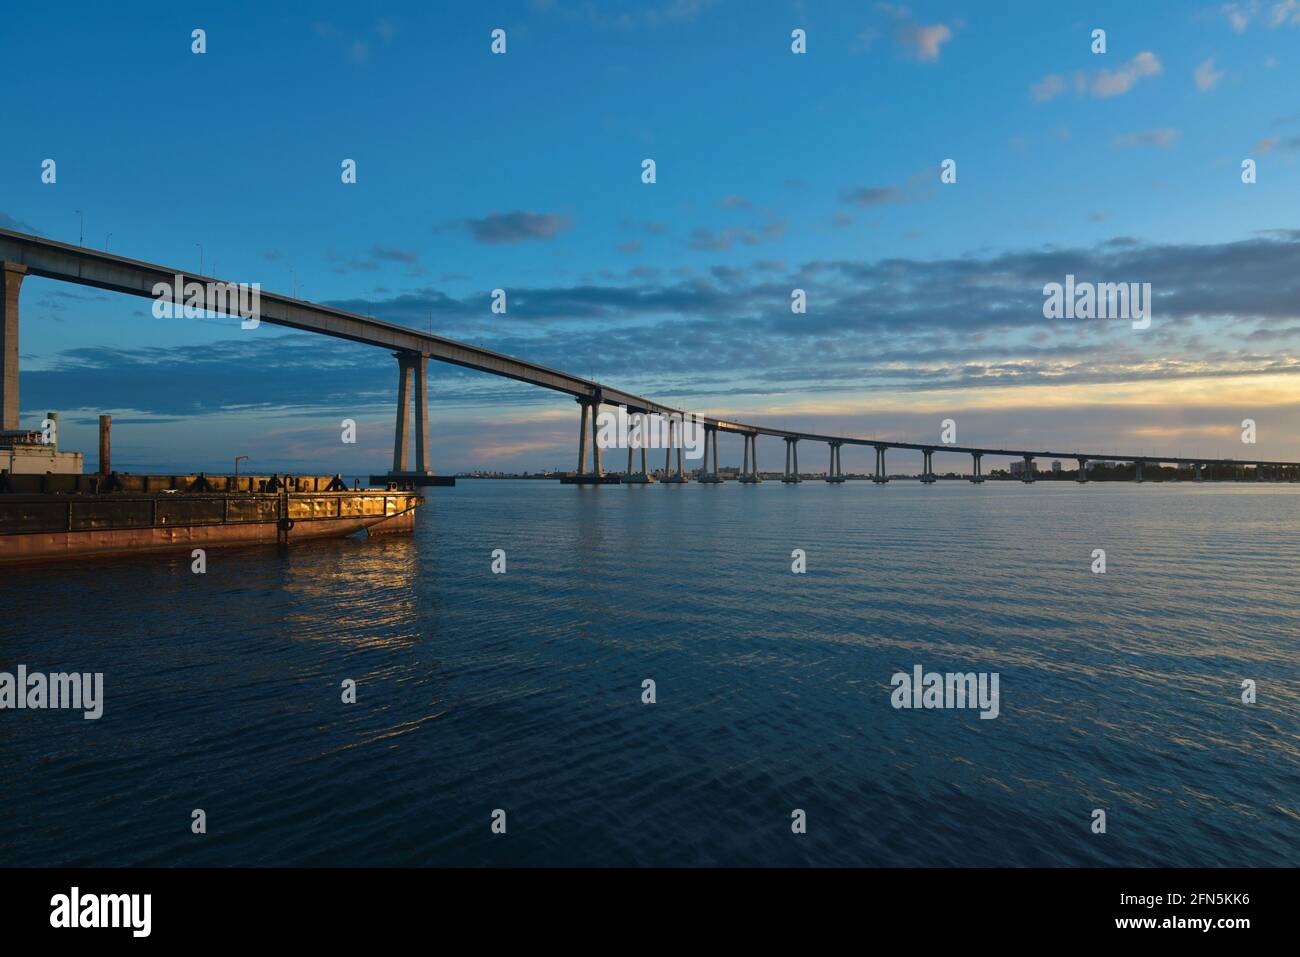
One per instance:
[(522, 691)]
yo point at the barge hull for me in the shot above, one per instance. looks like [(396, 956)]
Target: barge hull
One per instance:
[(106, 531)]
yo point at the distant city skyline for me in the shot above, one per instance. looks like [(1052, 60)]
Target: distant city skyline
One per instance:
[(775, 171)]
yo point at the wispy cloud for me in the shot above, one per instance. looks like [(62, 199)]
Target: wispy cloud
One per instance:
[(515, 227), (1164, 138), (1206, 76), (918, 41), (1277, 14), (1101, 84)]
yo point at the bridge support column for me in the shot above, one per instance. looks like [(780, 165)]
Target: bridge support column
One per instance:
[(675, 438), (709, 468), (835, 472), (749, 475), (791, 475), (881, 476), (588, 431), (1137, 471), (642, 440), (927, 469), (405, 372), (421, 367), (1028, 475), (977, 466), (11, 281), (597, 464), (1198, 472), (583, 426), (412, 384), (1083, 471)]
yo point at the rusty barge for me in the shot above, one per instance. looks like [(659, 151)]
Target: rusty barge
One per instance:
[(53, 517), (50, 511)]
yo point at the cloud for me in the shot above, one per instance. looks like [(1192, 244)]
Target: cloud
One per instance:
[(735, 202), (1206, 76), (515, 227), (869, 196), (1239, 14), (1284, 12), (918, 42), (1277, 14), (919, 186), (1164, 138), (1108, 83), (1103, 84), (708, 240), (1049, 87), (394, 254)]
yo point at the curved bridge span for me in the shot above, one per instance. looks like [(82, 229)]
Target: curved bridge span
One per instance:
[(22, 255)]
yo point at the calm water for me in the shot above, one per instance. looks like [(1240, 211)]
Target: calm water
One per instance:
[(523, 691)]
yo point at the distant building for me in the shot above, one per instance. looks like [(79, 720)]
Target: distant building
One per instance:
[(1017, 469), (1056, 467)]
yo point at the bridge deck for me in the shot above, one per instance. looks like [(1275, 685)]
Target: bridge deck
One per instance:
[(89, 267)]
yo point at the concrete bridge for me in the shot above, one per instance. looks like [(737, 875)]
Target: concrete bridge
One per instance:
[(23, 255)]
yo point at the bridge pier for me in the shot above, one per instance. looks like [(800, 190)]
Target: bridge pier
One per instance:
[(1028, 475), (709, 470), (674, 443), (1137, 471), (791, 476), (749, 474), (588, 431), (1083, 471), (927, 469), (1198, 472), (412, 384), (642, 477), (835, 472), (977, 467), (11, 281), (881, 476)]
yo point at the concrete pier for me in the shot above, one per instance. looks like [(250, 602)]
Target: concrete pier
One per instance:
[(412, 387), (927, 469), (977, 467), (749, 474), (791, 474), (881, 476), (709, 469), (675, 439), (1028, 475), (588, 432), (1083, 471), (642, 477), (11, 281), (835, 472)]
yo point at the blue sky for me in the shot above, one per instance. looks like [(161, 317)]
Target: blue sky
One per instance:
[(775, 171)]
